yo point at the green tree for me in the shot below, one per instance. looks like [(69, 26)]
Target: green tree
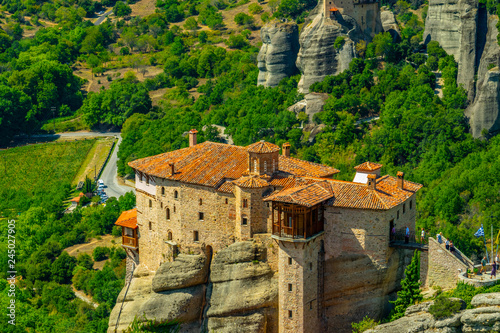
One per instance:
[(121, 9), (191, 24), (410, 288), (243, 19), (254, 8), (85, 261), (62, 268)]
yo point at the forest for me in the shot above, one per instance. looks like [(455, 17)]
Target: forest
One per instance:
[(204, 56)]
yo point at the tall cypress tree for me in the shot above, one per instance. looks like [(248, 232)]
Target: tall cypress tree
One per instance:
[(410, 288)]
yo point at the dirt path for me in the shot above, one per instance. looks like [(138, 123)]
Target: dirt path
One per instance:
[(106, 240), (87, 299)]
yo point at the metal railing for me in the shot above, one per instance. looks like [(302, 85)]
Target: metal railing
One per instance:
[(462, 257)]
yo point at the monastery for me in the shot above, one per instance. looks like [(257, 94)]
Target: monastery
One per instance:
[(210, 195)]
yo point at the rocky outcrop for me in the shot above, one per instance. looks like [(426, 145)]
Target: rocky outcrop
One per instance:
[(237, 291), (484, 112), (318, 57), (484, 318), (454, 24), (276, 59), (244, 292), (389, 24), (311, 104)]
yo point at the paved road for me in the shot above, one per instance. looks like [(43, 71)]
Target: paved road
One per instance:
[(103, 17), (109, 174), (110, 177)]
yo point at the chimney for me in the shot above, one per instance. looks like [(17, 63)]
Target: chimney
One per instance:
[(192, 137), (372, 182), (286, 149), (172, 168), (401, 180)]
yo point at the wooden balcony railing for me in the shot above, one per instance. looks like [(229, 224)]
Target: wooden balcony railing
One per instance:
[(130, 241)]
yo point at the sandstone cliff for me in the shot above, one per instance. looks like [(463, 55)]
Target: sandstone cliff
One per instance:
[(484, 112), (485, 317), (389, 24), (237, 291), (454, 23), (318, 57), (276, 60)]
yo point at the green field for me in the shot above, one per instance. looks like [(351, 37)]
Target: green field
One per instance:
[(39, 175)]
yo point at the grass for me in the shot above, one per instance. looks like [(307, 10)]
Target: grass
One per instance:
[(95, 158), (64, 124), (88, 248), (39, 174)]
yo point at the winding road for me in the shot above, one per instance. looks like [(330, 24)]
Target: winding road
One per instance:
[(103, 17)]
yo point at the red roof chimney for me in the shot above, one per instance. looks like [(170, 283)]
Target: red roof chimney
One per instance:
[(286, 149), (372, 181), (172, 168), (192, 137), (401, 180)]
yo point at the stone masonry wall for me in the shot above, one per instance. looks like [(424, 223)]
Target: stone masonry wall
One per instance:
[(367, 232), (443, 266), (298, 307)]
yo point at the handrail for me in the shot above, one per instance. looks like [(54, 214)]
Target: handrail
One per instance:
[(462, 257)]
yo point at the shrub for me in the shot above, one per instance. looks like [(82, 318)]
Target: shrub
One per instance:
[(243, 19), (444, 307), (265, 17), (254, 8), (100, 253), (366, 324), (339, 42)]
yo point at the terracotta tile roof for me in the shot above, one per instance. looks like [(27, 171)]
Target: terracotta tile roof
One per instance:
[(359, 196), (302, 168), (251, 182), (368, 166), (209, 163), (226, 187), (128, 219), (262, 147), (348, 194), (305, 195)]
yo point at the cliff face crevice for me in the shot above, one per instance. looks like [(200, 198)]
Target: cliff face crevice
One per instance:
[(241, 293), (276, 59)]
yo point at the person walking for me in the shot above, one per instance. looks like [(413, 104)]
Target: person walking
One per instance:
[(393, 233), (452, 247), (483, 265), (494, 270), (422, 236), (407, 235), (440, 237), (448, 245)]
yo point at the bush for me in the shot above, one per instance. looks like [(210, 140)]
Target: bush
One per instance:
[(84, 260), (100, 253), (243, 19), (366, 324), (339, 42), (254, 8), (444, 307)]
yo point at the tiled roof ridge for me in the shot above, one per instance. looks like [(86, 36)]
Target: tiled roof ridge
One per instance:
[(262, 147), (309, 162)]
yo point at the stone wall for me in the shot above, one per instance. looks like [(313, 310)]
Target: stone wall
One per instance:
[(443, 266), (299, 310)]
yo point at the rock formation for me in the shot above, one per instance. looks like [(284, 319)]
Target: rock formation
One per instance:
[(389, 24), (318, 57), (484, 112), (236, 292), (485, 317), (454, 23), (276, 60)]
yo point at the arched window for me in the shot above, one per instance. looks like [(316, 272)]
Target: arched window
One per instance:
[(174, 208), (265, 166), (162, 191), (254, 165), (169, 236), (176, 194), (168, 213), (150, 203), (201, 201)]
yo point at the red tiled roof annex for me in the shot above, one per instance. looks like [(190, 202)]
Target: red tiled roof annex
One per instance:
[(128, 219), (262, 147), (368, 166), (250, 182)]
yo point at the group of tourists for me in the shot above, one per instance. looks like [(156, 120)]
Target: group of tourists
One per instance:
[(494, 266)]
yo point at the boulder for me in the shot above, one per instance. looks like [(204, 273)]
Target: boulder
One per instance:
[(311, 104), (389, 24), (422, 322), (276, 59), (185, 271), (453, 23), (491, 299), (484, 319)]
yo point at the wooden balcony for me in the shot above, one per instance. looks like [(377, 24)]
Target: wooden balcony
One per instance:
[(130, 242), (295, 221)]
